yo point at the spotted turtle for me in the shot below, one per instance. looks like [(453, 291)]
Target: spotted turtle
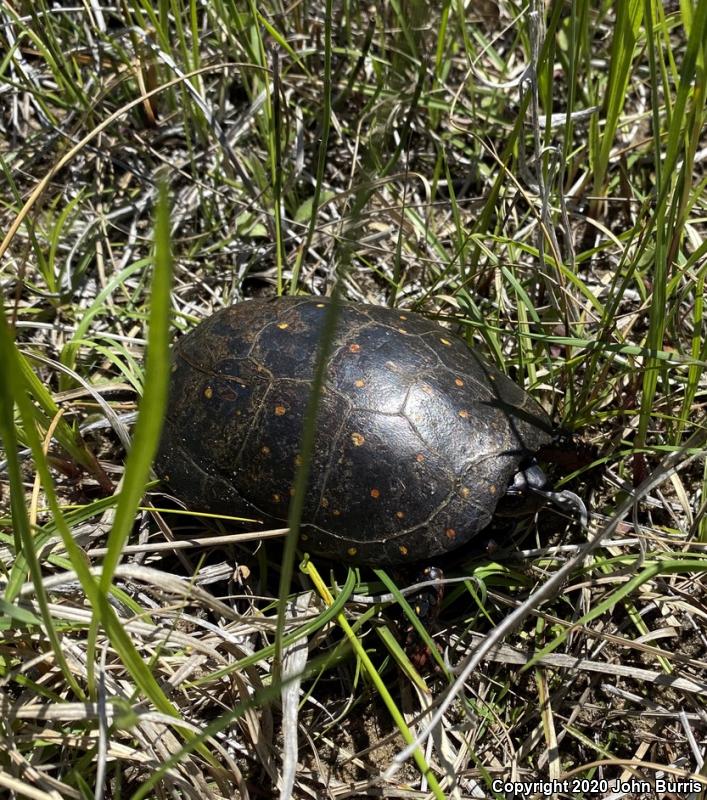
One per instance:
[(417, 437)]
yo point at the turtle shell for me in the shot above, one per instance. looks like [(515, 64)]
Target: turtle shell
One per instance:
[(417, 437)]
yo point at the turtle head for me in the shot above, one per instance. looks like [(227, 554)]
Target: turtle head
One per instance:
[(531, 481)]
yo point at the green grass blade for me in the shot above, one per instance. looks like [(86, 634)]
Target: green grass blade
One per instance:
[(154, 399), (628, 22)]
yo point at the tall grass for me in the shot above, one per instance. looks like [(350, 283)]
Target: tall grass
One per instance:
[(530, 174)]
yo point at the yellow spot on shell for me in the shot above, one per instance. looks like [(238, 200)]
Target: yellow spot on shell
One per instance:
[(280, 410), (336, 512), (265, 450), (492, 488), (375, 493), (445, 342), (321, 305), (357, 439), (352, 551), (283, 325), (360, 383), (354, 348), (324, 503), (402, 330), (208, 393), (466, 491), (451, 533), (400, 514), (419, 458), (464, 414), (458, 381), (298, 460), (403, 550), (402, 317), (276, 498)]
